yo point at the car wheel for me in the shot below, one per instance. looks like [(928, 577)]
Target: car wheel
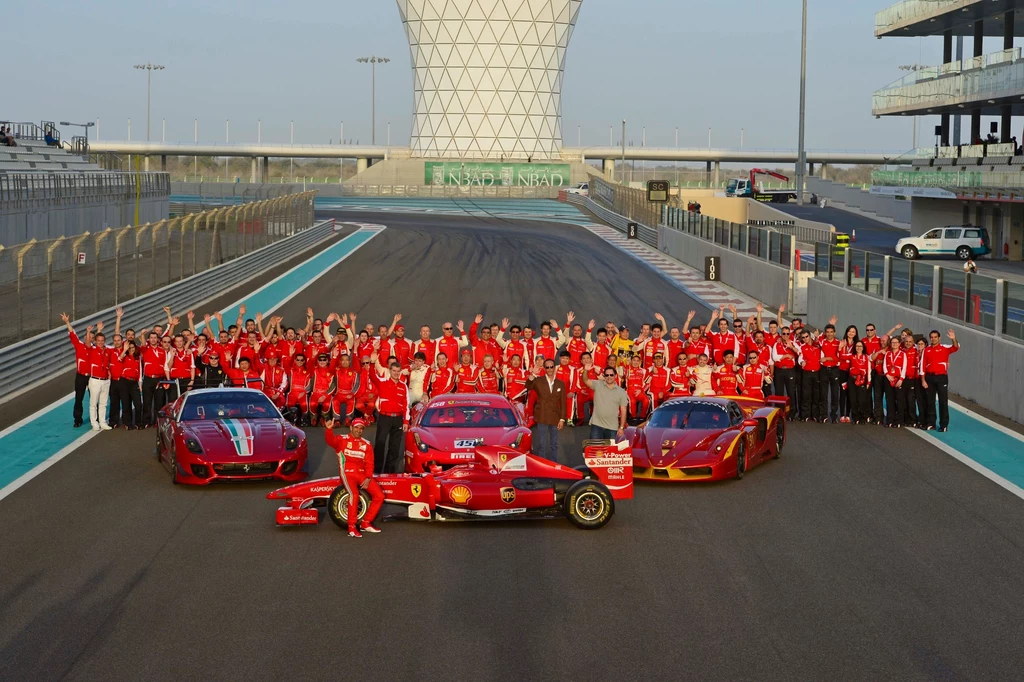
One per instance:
[(174, 468), (780, 435), (741, 457), (588, 505), (909, 252), (337, 506), (964, 252)]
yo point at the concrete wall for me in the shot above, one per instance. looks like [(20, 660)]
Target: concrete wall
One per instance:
[(987, 370), (21, 225), (724, 208), (929, 213), (897, 210), (757, 278)]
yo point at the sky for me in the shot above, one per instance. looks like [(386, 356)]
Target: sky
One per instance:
[(660, 64)]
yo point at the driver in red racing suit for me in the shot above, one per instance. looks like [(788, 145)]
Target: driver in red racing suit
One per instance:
[(355, 464)]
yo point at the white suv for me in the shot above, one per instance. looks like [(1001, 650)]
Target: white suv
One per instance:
[(583, 188), (962, 241)]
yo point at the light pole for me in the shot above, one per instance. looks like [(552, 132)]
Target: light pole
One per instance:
[(373, 61), (86, 126), (623, 172), (803, 109), (149, 69)]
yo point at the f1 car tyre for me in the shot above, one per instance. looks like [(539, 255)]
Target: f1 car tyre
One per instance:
[(741, 457), (588, 505), (337, 506), (780, 436)]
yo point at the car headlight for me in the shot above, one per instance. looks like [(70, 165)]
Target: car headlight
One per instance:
[(291, 442), (718, 448), (193, 446), (420, 445)]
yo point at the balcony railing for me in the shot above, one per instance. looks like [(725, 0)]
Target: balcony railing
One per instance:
[(1011, 178), (909, 10), (993, 75)]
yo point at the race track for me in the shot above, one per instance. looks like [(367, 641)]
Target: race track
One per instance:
[(862, 553)]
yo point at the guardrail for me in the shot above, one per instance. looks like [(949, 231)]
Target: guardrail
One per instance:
[(42, 190), (91, 271), (34, 360), (988, 304), (23, 130)]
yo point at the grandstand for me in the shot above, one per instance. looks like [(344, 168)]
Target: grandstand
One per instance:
[(32, 153)]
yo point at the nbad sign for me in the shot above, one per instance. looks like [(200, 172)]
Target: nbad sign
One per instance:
[(497, 174)]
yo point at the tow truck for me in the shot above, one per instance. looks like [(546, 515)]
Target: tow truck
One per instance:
[(747, 187)]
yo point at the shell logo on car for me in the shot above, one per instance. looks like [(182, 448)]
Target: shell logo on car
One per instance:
[(460, 494)]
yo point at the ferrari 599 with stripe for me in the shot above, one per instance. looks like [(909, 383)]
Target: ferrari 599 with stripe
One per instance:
[(217, 434)]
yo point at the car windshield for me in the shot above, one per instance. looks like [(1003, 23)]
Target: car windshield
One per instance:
[(200, 406), (690, 415), (460, 416)]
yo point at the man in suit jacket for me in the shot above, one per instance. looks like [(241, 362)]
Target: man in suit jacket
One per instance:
[(549, 410)]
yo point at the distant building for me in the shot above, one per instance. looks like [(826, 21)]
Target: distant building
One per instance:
[(487, 76), (976, 179)]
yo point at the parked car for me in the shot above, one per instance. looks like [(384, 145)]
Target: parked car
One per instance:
[(583, 189), (962, 241)]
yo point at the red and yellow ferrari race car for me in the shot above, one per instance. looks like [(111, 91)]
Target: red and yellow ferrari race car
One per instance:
[(707, 439), (216, 434), (499, 483), (446, 430)]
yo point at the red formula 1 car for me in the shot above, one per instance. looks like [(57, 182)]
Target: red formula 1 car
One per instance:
[(707, 439), (215, 434), (500, 483), (446, 430)]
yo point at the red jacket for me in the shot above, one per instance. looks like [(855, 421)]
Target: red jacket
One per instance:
[(393, 398), (829, 351), (81, 354), (441, 380), (515, 382), (99, 359), (810, 357), (936, 358), (355, 455), (466, 378), (154, 362), (487, 380)]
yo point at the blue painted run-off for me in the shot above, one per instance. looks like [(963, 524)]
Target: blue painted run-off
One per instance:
[(36, 441)]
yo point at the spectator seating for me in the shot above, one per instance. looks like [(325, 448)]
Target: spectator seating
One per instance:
[(35, 155)]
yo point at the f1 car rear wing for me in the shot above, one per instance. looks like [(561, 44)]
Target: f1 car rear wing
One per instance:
[(613, 464)]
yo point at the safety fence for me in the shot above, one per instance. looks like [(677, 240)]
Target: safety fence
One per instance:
[(987, 303), (85, 273), (42, 190)]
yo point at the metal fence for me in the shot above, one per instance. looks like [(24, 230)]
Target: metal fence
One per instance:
[(761, 242), (92, 271), (43, 190), (987, 303)]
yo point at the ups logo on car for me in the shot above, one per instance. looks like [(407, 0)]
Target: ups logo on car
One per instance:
[(508, 495)]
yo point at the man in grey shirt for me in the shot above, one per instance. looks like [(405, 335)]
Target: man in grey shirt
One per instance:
[(609, 419)]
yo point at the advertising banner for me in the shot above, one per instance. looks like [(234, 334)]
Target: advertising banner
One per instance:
[(496, 174)]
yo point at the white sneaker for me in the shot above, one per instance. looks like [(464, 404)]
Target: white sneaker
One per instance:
[(106, 427)]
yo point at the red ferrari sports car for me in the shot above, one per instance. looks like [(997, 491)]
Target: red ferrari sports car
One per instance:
[(707, 439), (215, 434), (446, 430), (499, 483)]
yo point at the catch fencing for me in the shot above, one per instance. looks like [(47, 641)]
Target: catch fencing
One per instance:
[(89, 272)]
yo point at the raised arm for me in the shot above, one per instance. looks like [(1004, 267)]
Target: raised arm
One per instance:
[(117, 320)]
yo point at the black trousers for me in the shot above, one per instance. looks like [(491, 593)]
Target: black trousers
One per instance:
[(938, 387), (114, 408), (877, 393), (860, 402), (81, 383), (909, 391), (387, 446), (828, 391), (785, 385), (893, 403), (810, 395), (845, 406), (922, 402), (149, 408), (131, 403)]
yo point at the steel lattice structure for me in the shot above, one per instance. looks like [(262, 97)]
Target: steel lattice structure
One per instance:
[(487, 76)]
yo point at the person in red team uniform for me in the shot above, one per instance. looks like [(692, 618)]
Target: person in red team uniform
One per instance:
[(441, 379), (297, 401), (636, 390), (725, 379), (860, 384), (100, 357), (574, 342), (873, 347), (181, 367), (912, 382), (547, 345), (343, 389), (515, 376), (653, 345), (320, 389), (723, 339), (680, 376), (466, 374), (355, 464), (244, 376), (659, 380), (894, 368), (488, 379), (392, 420), (366, 397), (754, 376), (846, 344), (81, 367), (810, 368), (275, 379), (425, 345), (830, 382), (584, 393)]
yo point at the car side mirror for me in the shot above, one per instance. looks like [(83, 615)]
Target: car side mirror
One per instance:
[(750, 422)]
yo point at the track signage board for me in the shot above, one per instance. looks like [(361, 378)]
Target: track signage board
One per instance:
[(497, 174), (631, 229), (712, 268), (657, 191)]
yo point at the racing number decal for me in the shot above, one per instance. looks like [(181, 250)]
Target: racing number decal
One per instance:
[(466, 443), (508, 495)]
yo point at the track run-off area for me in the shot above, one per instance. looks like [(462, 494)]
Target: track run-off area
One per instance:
[(862, 553)]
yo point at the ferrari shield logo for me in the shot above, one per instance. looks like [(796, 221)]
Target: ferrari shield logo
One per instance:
[(416, 489), (508, 495), (503, 457)]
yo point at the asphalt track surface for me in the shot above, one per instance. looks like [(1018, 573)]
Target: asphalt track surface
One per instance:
[(862, 553)]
